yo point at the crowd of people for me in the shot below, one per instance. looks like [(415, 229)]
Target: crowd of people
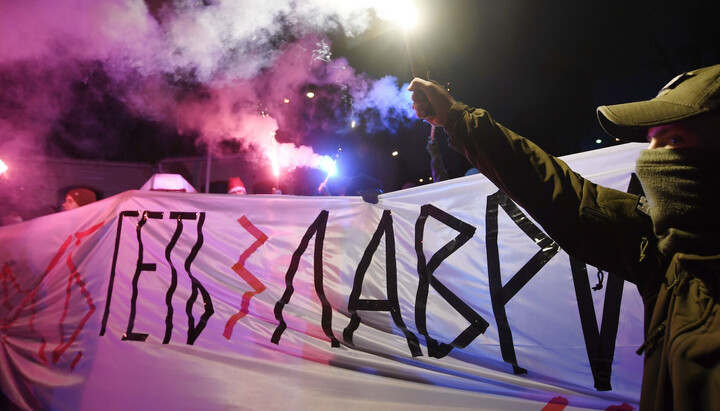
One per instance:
[(76, 197), (12, 213), (666, 242)]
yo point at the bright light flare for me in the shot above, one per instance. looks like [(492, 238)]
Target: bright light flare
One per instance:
[(3, 167), (327, 164), (395, 153), (310, 94), (403, 12), (273, 155), (275, 166)]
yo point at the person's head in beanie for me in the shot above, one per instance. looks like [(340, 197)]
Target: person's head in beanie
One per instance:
[(362, 183), (367, 187), (236, 186), (78, 197)]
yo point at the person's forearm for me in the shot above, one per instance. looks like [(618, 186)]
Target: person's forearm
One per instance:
[(515, 164), (594, 223)]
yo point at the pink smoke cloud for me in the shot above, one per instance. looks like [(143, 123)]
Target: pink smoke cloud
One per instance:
[(228, 70)]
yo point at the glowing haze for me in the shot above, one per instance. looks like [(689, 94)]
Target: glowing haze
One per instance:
[(219, 70)]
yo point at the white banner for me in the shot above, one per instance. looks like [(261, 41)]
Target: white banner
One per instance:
[(440, 296)]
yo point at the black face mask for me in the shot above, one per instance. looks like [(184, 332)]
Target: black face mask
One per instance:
[(683, 190)]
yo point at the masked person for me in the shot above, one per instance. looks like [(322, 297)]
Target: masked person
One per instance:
[(671, 251)]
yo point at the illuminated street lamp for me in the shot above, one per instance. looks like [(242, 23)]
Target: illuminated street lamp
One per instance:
[(406, 15), (402, 12)]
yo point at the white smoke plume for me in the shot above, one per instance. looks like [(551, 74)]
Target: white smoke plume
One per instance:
[(216, 70)]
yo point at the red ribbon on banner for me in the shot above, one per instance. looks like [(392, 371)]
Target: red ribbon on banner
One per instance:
[(246, 275)]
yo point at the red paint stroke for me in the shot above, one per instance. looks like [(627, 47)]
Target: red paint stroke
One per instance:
[(74, 275), (556, 404), (7, 275), (31, 296), (75, 361), (41, 351), (622, 407), (239, 268)]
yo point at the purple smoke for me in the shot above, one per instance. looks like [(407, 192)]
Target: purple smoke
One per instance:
[(215, 71)]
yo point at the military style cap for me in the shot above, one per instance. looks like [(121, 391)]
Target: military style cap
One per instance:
[(689, 94)]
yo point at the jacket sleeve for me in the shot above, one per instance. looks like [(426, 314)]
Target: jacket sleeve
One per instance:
[(594, 224)]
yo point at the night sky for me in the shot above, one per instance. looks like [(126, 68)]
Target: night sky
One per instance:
[(540, 67)]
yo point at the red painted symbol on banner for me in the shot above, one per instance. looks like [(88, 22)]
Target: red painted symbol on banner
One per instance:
[(556, 404), (246, 275), (559, 403), (30, 296), (622, 407), (11, 288)]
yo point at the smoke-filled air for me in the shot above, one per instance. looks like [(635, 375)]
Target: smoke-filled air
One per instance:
[(80, 76)]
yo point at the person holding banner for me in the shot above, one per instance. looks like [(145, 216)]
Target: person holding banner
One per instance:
[(669, 245), (236, 186), (78, 197)]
